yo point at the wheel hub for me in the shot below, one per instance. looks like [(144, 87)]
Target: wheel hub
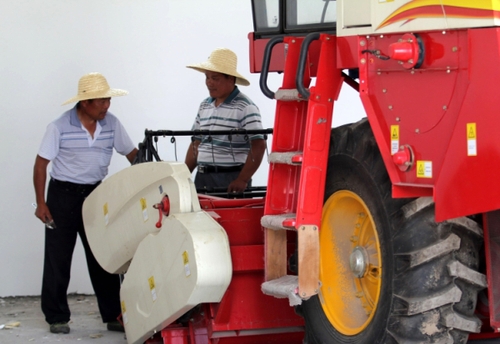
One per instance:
[(358, 261), (351, 263)]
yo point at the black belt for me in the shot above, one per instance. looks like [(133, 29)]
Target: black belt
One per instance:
[(218, 169), (74, 187)]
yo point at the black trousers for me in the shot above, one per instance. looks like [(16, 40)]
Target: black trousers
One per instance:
[(212, 180), (65, 203)]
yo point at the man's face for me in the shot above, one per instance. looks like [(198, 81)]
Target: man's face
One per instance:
[(219, 85), (96, 108)]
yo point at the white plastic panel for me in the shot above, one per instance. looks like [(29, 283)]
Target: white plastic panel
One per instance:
[(119, 213), (187, 263), (368, 17)]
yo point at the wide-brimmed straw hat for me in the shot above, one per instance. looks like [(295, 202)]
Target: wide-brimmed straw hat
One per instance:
[(223, 61), (93, 86)]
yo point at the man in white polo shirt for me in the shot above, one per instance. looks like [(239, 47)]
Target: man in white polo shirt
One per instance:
[(79, 144), (227, 161)]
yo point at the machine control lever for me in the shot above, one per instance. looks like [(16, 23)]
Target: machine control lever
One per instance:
[(163, 209)]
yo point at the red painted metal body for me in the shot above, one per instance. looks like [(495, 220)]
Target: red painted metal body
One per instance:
[(303, 126), (432, 106), (436, 125), (288, 136), (244, 315)]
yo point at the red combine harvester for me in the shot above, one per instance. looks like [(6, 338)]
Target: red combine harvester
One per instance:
[(386, 230)]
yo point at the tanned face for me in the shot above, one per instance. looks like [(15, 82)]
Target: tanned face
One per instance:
[(95, 109), (219, 85)]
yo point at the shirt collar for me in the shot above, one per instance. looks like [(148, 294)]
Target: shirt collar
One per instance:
[(230, 98)]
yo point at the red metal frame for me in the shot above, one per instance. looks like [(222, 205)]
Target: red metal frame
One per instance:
[(244, 315), (317, 137), (288, 136), (432, 106)]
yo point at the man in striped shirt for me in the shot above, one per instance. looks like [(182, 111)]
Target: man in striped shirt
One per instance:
[(225, 161), (79, 144)]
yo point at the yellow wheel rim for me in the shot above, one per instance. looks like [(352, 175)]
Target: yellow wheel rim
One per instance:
[(350, 263)]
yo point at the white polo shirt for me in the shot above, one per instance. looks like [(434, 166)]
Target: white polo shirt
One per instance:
[(76, 156)]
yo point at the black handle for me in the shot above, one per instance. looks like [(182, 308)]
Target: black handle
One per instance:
[(302, 63), (265, 66)]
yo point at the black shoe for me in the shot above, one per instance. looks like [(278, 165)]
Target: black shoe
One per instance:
[(115, 326), (61, 327)]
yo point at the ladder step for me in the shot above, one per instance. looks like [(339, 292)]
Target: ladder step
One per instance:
[(287, 95), (283, 287), (279, 222), (289, 158)]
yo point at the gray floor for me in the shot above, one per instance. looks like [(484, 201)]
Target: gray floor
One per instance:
[(22, 321)]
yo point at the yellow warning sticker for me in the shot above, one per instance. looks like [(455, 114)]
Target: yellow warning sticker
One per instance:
[(471, 139), (151, 281), (185, 259), (471, 131), (394, 139), (106, 213), (152, 287), (424, 169), (124, 312), (394, 132), (144, 208)]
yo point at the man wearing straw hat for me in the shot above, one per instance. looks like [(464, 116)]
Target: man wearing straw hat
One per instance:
[(227, 161), (79, 144)]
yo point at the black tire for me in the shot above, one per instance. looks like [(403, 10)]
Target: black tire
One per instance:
[(421, 283)]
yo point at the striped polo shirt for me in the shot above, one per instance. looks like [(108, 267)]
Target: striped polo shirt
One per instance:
[(236, 112), (77, 157)]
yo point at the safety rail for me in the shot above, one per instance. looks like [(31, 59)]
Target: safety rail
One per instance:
[(148, 153), (265, 66), (299, 78)]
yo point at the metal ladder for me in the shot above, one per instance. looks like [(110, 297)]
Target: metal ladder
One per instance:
[(298, 161)]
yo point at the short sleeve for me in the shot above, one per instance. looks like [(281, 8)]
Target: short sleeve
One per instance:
[(49, 148), (123, 143)]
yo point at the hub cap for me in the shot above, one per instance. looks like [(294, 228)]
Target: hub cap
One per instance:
[(359, 261)]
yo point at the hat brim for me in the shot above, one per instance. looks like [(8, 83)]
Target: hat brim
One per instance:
[(112, 92), (207, 66)]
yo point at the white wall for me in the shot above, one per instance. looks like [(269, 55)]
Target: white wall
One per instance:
[(141, 46)]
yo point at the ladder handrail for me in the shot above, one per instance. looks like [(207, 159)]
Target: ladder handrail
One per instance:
[(266, 60), (302, 63)]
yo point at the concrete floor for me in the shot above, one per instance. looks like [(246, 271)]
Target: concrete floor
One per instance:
[(86, 324), (30, 326)]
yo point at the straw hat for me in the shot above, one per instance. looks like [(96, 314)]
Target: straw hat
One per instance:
[(223, 61), (93, 86)]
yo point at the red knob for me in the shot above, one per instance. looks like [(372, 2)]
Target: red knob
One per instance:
[(402, 51)]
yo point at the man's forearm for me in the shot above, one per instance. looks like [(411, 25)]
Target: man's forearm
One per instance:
[(40, 178), (253, 161), (192, 156)]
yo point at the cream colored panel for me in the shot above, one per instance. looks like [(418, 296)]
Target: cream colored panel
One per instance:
[(187, 263), (356, 13), (368, 17), (119, 213)]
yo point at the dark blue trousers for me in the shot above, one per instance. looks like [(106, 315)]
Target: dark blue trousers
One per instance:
[(65, 201)]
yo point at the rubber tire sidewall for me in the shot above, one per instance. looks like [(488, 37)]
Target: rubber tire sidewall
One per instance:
[(349, 174)]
